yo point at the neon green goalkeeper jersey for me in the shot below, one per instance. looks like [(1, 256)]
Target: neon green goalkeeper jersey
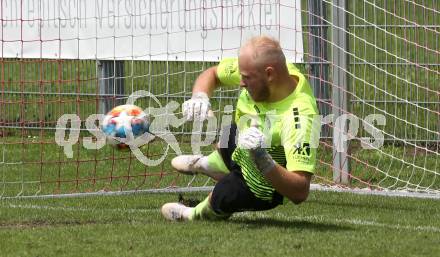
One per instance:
[(287, 125)]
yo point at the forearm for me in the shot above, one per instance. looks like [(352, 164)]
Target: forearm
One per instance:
[(207, 81), (293, 185)]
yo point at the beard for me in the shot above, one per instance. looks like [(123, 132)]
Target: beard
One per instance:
[(260, 94)]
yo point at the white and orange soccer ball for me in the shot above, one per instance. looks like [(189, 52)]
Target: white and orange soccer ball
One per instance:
[(122, 122)]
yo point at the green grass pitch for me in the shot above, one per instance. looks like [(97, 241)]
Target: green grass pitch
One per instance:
[(328, 224)]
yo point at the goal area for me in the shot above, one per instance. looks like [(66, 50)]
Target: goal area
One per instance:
[(374, 66)]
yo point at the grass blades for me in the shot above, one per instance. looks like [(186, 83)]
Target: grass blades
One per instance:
[(328, 224)]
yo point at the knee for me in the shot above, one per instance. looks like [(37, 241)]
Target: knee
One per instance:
[(220, 202)]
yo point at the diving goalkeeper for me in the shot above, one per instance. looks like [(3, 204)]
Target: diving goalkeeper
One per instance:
[(274, 156)]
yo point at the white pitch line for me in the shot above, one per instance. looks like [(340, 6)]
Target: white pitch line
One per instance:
[(247, 214), (79, 209)]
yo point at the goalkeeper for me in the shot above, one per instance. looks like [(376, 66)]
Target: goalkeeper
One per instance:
[(274, 155)]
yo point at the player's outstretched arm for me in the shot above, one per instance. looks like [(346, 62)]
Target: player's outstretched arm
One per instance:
[(207, 81)]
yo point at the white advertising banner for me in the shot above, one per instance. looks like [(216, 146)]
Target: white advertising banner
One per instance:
[(193, 30)]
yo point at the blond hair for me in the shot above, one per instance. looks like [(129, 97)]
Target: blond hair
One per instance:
[(266, 51)]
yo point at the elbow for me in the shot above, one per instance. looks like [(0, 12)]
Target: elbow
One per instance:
[(300, 191), (298, 198)]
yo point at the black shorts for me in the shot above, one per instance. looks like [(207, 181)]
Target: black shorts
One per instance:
[(231, 194)]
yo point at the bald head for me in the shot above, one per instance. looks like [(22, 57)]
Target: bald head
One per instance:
[(264, 51), (263, 70)]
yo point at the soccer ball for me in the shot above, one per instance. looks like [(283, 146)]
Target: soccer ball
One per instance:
[(121, 122)]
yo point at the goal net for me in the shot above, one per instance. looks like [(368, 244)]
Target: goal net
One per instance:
[(373, 66)]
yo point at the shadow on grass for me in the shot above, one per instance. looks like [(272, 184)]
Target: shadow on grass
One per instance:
[(400, 204), (269, 222)]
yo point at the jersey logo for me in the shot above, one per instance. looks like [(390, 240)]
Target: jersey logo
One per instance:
[(303, 149), (230, 69), (296, 118)]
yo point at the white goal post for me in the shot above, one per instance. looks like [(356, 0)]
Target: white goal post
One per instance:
[(373, 65)]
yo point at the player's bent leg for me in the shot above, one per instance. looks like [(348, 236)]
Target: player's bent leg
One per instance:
[(231, 194), (204, 211), (180, 212), (211, 165), (217, 164)]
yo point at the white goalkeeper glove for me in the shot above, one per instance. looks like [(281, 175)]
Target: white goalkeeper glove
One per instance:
[(253, 140), (196, 108)]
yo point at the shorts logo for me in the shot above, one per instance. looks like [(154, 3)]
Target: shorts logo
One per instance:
[(303, 149)]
